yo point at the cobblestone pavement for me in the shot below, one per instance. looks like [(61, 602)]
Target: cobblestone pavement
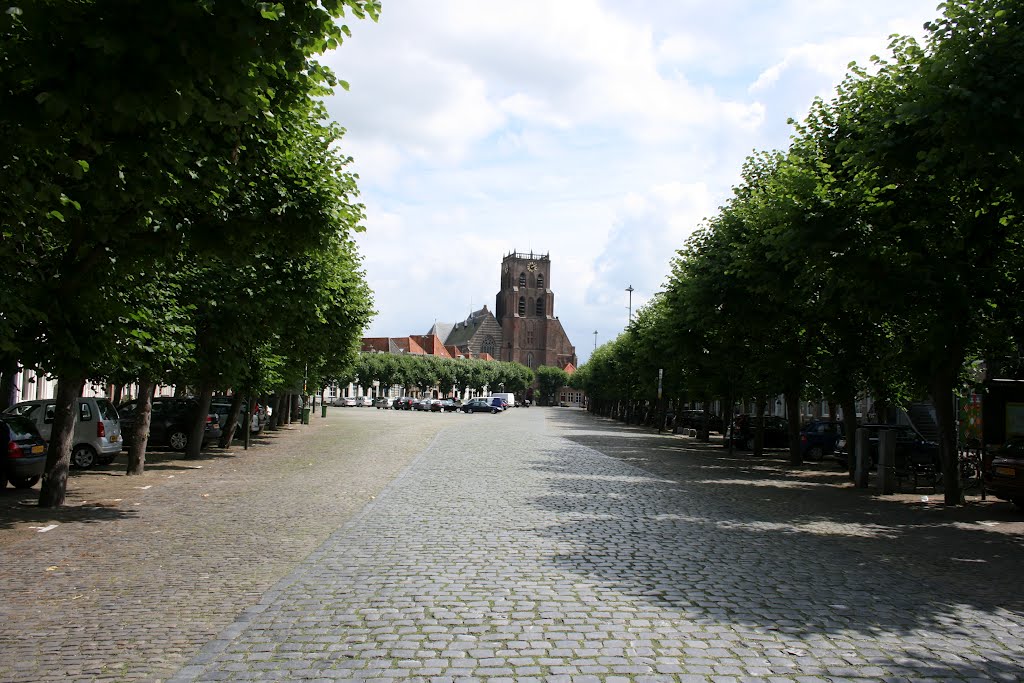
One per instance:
[(137, 573), (512, 549)]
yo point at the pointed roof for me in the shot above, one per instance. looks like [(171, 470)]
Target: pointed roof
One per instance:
[(432, 344), (442, 330)]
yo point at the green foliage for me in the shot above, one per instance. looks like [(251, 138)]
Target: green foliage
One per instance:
[(549, 381)]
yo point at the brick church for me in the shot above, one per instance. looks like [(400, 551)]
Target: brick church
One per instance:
[(522, 327)]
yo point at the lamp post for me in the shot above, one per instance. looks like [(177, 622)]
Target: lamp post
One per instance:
[(595, 340), (630, 290)]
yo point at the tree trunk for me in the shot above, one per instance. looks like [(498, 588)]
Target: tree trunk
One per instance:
[(140, 435), (195, 440), (58, 454), (942, 395), (759, 426), (275, 419), (8, 369), (849, 405), (228, 433), (119, 392), (832, 410), (793, 415), (248, 420)]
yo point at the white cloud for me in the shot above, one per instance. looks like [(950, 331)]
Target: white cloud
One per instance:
[(601, 133)]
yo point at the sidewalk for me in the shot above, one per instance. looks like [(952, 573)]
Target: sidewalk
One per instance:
[(135, 574)]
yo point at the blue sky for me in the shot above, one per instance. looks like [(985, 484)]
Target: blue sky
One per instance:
[(602, 133)]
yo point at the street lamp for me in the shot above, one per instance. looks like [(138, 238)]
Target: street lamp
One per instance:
[(595, 340), (630, 290)]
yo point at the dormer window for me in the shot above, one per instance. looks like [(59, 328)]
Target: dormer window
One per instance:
[(522, 279)]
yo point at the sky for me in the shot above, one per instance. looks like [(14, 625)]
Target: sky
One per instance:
[(601, 133)]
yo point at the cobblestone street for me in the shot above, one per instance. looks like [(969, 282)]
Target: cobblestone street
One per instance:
[(538, 545)]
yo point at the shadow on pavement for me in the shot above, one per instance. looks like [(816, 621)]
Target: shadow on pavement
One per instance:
[(794, 552)]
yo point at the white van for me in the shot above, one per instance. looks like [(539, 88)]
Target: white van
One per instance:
[(510, 399)]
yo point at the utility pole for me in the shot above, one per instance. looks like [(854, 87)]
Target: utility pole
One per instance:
[(630, 290)]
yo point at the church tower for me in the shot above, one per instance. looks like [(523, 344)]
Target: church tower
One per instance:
[(531, 334)]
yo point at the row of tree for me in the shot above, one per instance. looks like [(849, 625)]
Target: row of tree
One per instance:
[(425, 372), (882, 252), (176, 208)]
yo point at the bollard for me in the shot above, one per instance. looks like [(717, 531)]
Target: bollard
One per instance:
[(862, 453), (323, 409), (886, 461)]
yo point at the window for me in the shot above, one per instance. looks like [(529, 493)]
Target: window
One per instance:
[(540, 280), (488, 346), (522, 307), (540, 306), (529, 360), (529, 335), (522, 279), (84, 412)]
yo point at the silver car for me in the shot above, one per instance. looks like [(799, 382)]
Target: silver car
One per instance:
[(97, 435)]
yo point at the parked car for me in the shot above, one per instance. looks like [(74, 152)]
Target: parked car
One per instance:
[(170, 422), (443, 405), (422, 404), (222, 407), (97, 435), (744, 430), (912, 450), (364, 401), (344, 401), (699, 420), (479, 405), (24, 456), (403, 403), (819, 438), (1004, 477), (382, 402), (497, 401)]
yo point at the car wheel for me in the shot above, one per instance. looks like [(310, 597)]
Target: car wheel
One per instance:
[(749, 445), (24, 482), (815, 454), (83, 456), (177, 440), (494, 410)]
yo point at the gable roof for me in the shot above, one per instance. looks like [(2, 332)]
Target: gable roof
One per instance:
[(432, 344)]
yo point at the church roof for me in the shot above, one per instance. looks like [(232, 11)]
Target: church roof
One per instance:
[(442, 330), (464, 331)]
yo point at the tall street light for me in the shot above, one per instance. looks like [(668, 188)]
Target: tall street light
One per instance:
[(630, 290), (595, 340)]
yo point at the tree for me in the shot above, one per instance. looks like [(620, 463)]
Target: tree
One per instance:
[(113, 116), (550, 380)]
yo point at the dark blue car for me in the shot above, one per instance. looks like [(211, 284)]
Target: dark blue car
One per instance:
[(819, 438)]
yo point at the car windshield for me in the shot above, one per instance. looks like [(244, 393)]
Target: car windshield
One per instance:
[(21, 427)]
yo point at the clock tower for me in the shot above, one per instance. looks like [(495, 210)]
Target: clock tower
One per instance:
[(525, 306)]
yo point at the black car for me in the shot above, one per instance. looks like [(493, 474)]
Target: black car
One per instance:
[(403, 403), (744, 429), (170, 423), (913, 453), (479, 405), (24, 452), (699, 420), (1004, 476)]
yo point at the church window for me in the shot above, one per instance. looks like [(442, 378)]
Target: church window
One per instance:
[(522, 307), (522, 279), (540, 280), (540, 306), (488, 346), (529, 360), (529, 335)]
